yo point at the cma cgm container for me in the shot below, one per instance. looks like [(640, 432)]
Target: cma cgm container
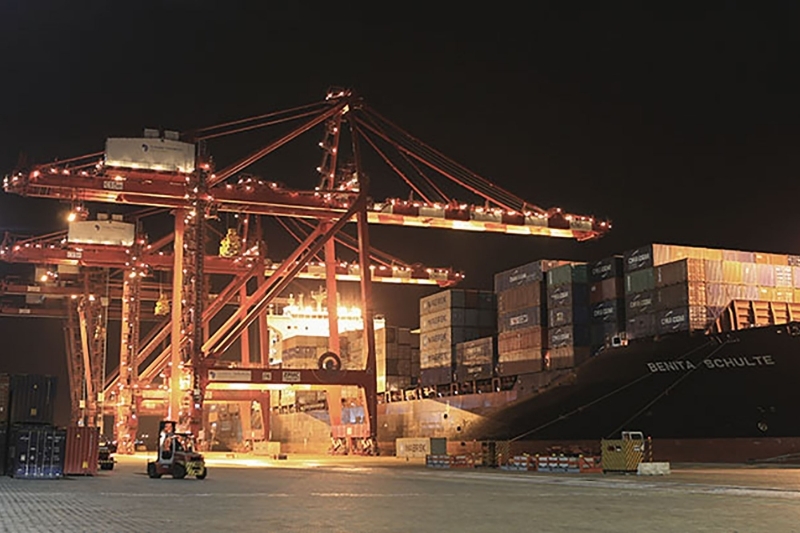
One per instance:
[(608, 268), (525, 274), (32, 399), (476, 359), (166, 155), (37, 452), (81, 451)]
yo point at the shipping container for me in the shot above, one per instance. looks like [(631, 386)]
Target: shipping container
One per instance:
[(5, 394), (641, 326), (648, 256), (567, 275), (36, 452), (749, 274), (153, 154), (477, 352), (639, 303), (692, 270), (608, 289), (766, 275), (681, 319), (713, 271), (437, 359), (443, 319), (562, 316), (456, 299), (441, 339), (793, 260), (522, 339), (574, 295), (572, 335), (640, 281), (32, 399), (81, 453), (608, 268), (608, 311), (523, 318), (566, 357), (519, 366), (519, 297), (681, 295), (525, 274), (732, 272), (716, 294), (101, 232), (603, 334), (473, 372), (738, 256), (436, 376)]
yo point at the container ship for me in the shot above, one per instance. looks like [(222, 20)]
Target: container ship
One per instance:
[(696, 347)]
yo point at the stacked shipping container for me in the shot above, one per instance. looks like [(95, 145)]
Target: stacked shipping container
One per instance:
[(476, 359), (521, 307), (607, 300), (448, 318), (568, 316), (396, 356)]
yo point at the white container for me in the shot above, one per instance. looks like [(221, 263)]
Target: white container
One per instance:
[(412, 448), (106, 232), (151, 154)]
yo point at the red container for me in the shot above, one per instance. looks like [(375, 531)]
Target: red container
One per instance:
[(82, 451)]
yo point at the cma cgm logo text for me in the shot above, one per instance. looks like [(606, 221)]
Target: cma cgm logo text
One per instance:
[(639, 258)]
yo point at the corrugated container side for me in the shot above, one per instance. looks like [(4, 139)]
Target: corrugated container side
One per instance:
[(639, 303), (32, 399), (783, 276), (716, 294), (443, 319), (738, 256), (679, 272), (437, 359), (732, 272), (520, 366), (573, 295), (641, 326), (568, 274), (562, 316), (793, 260), (749, 273), (681, 319), (713, 271), (81, 451), (436, 376), (685, 294), (761, 258), (608, 311), (713, 254), (525, 274), (766, 294), (573, 335), (37, 452), (566, 357), (473, 372), (522, 339), (796, 277), (640, 281), (477, 352), (610, 267), (3, 449), (779, 259), (766, 275), (440, 301), (5, 394), (784, 295), (750, 293), (519, 297), (608, 289), (524, 318)]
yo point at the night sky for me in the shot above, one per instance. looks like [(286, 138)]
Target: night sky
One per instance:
[(680, 126)]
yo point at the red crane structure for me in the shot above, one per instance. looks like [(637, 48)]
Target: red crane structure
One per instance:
[(196, 191)]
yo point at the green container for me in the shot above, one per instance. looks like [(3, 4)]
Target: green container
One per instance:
[(438, 446), (640, 281), (567, 275)]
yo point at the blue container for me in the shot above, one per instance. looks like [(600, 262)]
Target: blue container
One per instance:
[(37, 452), (608, 311)]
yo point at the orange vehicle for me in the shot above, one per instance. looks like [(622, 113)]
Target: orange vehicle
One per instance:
[(176, 455)]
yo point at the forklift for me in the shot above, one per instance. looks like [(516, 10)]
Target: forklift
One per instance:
[(176, 455)]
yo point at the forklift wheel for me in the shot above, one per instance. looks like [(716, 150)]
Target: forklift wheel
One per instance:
[(107, 466), (203, 473), (152, 471), (178, 471)]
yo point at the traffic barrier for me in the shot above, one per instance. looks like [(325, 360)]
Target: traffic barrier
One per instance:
[(590, 465), (520, 463), (462, 461), (437, 461)]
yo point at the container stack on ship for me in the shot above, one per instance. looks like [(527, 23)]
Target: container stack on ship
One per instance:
[(521, 304), (448, 318), (607, 301), (568, 317)]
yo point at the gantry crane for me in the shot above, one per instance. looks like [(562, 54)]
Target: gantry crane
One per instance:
[(198, 190)]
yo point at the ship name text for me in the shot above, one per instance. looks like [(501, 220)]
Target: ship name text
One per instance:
[(711, 364)]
